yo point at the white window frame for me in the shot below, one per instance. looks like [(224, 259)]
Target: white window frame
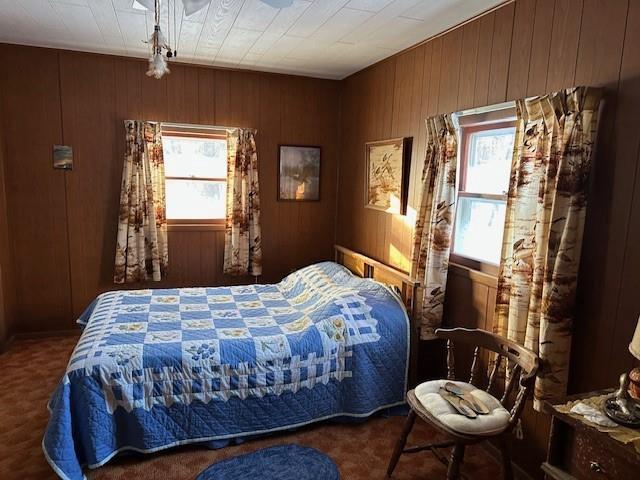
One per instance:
[(468, 122), (171, 130)]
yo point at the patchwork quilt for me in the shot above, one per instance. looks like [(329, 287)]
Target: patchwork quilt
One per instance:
[(165, 367)]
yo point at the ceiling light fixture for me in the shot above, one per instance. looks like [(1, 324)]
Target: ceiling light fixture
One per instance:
[(160, 48), (157, 61)]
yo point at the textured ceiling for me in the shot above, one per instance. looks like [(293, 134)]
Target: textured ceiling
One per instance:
[(321, 38)]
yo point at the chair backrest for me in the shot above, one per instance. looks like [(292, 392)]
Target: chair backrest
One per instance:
[(524, 363)]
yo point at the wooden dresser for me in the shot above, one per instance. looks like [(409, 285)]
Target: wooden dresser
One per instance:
[(580, 451)]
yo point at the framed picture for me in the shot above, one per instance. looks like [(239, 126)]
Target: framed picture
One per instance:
[(299, 173), (387, 174), (62, 157)]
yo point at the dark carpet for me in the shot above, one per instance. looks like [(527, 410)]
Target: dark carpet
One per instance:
[(30, 370)]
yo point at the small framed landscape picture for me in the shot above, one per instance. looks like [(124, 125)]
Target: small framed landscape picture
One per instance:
[(387, 174), (62, 157), (299, 173)]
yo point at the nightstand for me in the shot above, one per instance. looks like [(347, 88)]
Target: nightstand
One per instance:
[(579, 450)]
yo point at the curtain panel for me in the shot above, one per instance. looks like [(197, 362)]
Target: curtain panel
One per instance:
[(243, 242), (543, 229), (434, 223), (141, 246)]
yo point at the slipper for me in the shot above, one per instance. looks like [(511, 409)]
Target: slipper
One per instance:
[(461, 405), (477, 405)]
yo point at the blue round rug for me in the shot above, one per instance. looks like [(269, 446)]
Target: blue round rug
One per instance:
[(284, 462)]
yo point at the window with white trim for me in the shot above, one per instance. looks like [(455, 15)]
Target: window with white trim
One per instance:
[(195, 163), (486, 149)]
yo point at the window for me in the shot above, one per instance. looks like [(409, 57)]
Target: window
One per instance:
[(196, 175), (486, 148)]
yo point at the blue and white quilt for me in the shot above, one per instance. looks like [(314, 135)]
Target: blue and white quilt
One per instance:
[(165, 367)]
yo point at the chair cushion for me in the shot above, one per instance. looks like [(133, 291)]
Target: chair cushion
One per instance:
[(492, 423)]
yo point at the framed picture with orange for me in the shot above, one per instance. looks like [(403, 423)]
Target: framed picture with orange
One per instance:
[(299, 173)]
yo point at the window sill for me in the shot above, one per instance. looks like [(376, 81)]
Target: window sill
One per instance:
[(471, 263), (195, 227), (478, 276)]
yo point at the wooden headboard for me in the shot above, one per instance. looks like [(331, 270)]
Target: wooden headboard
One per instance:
[(408, 288)]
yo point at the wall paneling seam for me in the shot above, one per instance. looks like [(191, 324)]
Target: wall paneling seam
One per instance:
[(66, 187)]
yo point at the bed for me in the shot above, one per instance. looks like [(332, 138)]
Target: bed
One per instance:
[(157, 368)]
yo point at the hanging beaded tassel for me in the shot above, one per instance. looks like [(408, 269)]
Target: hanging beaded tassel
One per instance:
[(157, 62)]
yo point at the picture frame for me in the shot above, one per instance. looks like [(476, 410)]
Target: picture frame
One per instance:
[(62, 157), (387, 174), (299, 168)]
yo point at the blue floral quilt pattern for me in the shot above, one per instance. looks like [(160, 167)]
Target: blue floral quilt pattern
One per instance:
[(164, 367)]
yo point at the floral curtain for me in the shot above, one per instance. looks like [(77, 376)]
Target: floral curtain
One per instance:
[(243, 244), (141, 248), (435, 219), (543, 229)]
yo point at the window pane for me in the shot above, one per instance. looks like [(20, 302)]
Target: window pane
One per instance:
[(195, 199), (489, 161), (194, 157), (479, 228)]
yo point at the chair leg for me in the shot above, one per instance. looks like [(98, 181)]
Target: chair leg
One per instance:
[(507, 470), (457, 454), (402, 441)]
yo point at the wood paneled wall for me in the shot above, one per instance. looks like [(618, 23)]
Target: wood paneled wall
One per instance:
[(4, 327), (524, 48), (63, 224)]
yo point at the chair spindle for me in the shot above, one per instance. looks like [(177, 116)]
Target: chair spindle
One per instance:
[(474, 366), (525, 367), (494, 373), (451, 369), (518, 405), (515, 376)]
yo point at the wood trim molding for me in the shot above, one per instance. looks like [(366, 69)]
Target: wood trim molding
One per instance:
[(485, 268), (45, 334), (277, 75), (433, 37), (404, 276), (474, 275), (6, 344), (195, 227)]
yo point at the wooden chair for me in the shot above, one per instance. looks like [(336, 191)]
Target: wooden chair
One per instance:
[(505, 413)]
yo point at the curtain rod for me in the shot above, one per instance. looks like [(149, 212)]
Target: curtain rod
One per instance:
[(457, 116), (196, 126), (489, 108)]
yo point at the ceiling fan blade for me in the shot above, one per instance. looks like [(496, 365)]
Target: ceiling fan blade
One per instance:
[(192, 6), (148, 4), (278, 3)]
